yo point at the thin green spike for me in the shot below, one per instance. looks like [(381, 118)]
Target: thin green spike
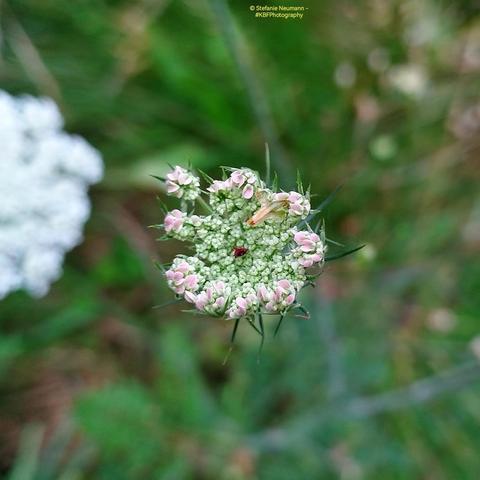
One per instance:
[(275, 182), (267, 164), (204, 204), (333, 242), (194, 311), (322, 205), (166, 304), (329, 198), (205, 176), (160, 266), (253, 326), (162, 205), (299, 182), (162, 179), (322, 232), (343, 254)]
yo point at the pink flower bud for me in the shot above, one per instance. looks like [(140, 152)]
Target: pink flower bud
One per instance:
[(263, 293), (201, 301), (172, 187), (247, 192), (290, 299), (174, 221), (237, 178)]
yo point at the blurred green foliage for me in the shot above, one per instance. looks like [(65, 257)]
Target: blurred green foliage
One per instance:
[(380, 94)]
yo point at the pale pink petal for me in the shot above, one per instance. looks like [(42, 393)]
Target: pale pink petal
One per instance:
[(248, 192), (294, 197), (180, 289), (201, 301), (237, 178), (190, 297), (177, 276), (300, 237), (172, 176), (220, 302), (191, 281), (242, 303), (279, 197), (270, 307), (172, 187), (183, 267), (296, 209), (285, 284), (290, 299), (184, 179), (262, 293)]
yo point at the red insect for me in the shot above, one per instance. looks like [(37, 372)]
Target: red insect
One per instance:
[(239, 251)]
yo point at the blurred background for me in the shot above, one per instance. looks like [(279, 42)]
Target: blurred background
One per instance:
[(383, 380)]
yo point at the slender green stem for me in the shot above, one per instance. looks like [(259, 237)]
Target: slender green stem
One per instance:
[(234, 332), (277, 328)]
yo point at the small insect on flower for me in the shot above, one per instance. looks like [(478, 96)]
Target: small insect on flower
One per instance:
[(268, 209), (239, 251)]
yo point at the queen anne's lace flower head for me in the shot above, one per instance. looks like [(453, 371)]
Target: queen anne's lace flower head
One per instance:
[(44, 177), (250, 253)]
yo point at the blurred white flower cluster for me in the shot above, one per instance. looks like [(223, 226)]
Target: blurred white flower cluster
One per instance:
[(252, 250), (44, 177)]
